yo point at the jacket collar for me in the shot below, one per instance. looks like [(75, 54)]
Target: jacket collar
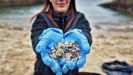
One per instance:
[(56, 15), (58, 20), (61, 20)]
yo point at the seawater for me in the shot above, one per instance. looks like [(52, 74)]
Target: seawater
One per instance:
[(95, 14)]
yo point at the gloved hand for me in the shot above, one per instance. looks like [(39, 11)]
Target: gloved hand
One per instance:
[(51, 62), (81, 61), (76, 35), (48, 39), (70, 65)]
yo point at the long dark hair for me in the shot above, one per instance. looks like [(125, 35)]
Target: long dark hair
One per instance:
[(48, 6)]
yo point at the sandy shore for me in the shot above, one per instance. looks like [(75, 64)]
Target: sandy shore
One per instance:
[(17, 56)]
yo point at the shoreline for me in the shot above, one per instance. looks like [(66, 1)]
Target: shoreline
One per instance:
[(17, 56), (124, 6), (13, 3)]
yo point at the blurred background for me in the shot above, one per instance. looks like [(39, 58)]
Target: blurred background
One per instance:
[(112, 28), (18, 12)]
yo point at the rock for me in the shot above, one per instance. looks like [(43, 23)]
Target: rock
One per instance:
[(120, 5), (5, 3)]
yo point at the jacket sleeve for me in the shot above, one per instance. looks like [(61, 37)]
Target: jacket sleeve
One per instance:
[(37, 28), (84, 25)]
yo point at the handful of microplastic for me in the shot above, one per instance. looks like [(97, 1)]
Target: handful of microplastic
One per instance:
[(70, 50)]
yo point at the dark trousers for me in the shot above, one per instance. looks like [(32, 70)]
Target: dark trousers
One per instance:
[(42, 69)]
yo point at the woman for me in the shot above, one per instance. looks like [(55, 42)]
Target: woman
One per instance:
[(62, 15)]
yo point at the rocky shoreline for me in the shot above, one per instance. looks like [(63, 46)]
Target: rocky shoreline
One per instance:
[(120, 5), (7, 3)]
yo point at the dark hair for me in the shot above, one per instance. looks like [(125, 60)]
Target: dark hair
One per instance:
[(48, 6)]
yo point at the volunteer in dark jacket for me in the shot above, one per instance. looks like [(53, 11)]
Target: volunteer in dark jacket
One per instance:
[(59, 20)]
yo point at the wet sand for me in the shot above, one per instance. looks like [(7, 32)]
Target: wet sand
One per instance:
[(17, 56)]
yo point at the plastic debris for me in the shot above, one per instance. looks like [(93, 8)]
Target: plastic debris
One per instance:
[(68, 49)]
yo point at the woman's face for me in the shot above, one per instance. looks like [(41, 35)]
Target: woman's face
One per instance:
[(60, 6)]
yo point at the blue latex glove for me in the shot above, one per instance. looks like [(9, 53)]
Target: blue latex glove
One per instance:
[(62, 61), (70, 65), (51, 62), (81, 61), (48, 39), (76, 35)]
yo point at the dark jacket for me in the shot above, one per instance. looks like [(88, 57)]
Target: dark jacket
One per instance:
[(42, 22)]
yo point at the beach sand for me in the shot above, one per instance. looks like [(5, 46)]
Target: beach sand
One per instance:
[(17, 56)]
